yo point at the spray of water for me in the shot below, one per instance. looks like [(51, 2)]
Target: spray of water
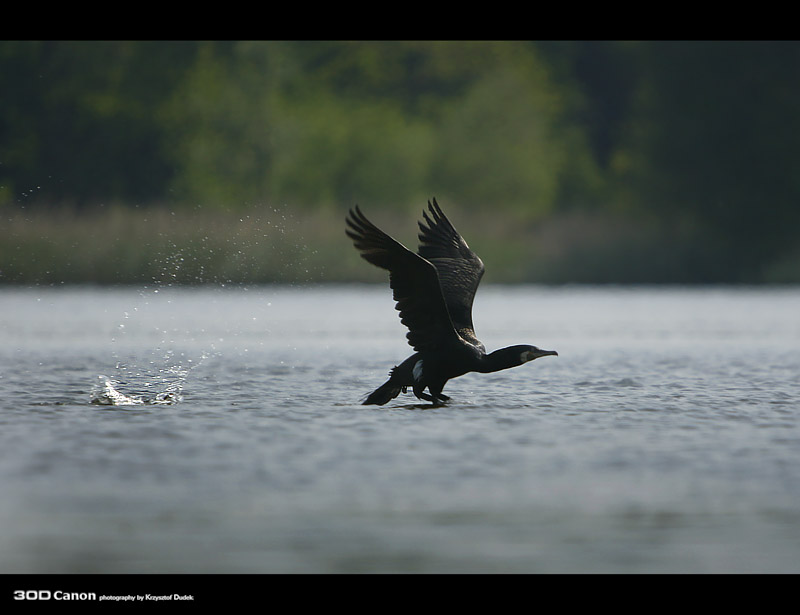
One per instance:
[(160, 378), (131, 386), (157, 377)]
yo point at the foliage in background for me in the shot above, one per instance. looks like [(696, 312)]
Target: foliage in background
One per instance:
[(567, 160)]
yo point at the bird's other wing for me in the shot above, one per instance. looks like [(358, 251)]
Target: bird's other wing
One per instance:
[(414, 282), (460, 269)]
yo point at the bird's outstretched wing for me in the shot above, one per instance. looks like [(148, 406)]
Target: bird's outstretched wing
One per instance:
[(460, 270), (414, 282)]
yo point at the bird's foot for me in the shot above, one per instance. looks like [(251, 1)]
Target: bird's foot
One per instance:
[(438, 400)]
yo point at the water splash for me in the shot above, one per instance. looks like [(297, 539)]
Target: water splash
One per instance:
[(158, 377), (105, 393), (112, 392), (132, 387)]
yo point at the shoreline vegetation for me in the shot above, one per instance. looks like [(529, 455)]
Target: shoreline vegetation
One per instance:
[(222, 162), (121, 245)]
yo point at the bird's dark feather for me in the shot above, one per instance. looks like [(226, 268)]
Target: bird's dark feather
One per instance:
[(413, 279), (460, 269)]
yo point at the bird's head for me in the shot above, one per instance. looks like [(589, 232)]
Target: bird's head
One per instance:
[(511, 356), (529, 353)]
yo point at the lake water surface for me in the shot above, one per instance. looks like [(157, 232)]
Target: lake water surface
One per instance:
[(220, 430)]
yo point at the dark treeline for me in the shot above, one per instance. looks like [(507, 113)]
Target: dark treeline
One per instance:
[(615, 161)]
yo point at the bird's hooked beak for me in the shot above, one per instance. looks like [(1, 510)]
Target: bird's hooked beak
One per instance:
[(535, 353)]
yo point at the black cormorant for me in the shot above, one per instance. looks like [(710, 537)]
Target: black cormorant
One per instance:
[(434, 290)]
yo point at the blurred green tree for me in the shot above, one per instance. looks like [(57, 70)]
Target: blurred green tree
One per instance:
[(317, 123), (713, 146), (76, 119), (693, 142)]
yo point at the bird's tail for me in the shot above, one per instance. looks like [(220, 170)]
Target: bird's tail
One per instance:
[(383, 394)]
